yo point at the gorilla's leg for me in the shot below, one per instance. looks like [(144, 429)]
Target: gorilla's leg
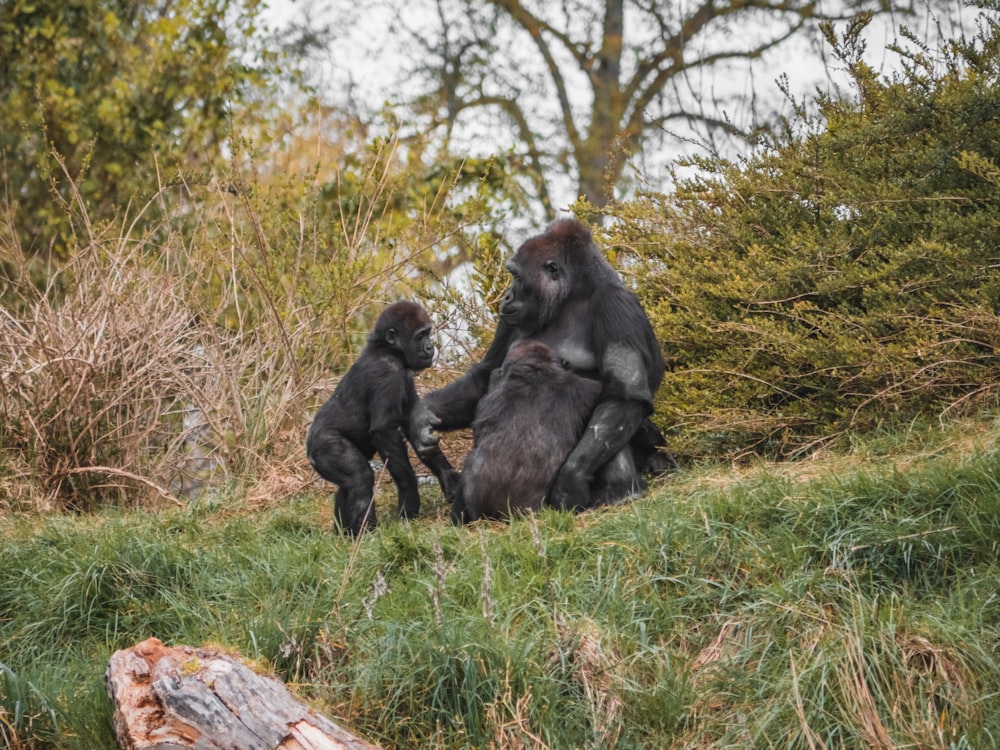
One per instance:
[(338, 460), (460, 512), (354, 508), (611, 427), (447, 477), (340, 508)]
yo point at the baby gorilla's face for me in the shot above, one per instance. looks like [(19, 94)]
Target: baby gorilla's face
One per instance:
[(420, 354)]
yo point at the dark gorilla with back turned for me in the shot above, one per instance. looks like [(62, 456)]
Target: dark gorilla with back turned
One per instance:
[(533, 401), (565, 294), (368, 411)]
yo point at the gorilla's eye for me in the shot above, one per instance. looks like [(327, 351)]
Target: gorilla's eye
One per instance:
[(552, 268)]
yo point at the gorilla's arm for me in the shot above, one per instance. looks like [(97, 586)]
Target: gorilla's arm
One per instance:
[(432, 458), (386, 431), (631, 368), (454, 406), (391, 446)]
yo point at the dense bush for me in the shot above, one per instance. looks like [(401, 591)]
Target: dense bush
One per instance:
[(845, 274), (160, 357)]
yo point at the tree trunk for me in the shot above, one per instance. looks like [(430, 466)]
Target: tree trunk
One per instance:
[(599, 158), (179, 698)]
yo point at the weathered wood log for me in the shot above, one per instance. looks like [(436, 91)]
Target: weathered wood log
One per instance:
[(179, 698)]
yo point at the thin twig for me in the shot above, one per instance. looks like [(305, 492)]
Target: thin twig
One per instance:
[(121, 473), (917, 535)]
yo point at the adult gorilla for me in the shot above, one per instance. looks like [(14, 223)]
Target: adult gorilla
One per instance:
[(565, 294)]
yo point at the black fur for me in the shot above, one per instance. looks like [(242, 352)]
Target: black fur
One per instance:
[(366, 414), (565, 294)]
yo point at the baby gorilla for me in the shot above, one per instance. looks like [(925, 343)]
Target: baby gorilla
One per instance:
[(365, 414), (525, 426)]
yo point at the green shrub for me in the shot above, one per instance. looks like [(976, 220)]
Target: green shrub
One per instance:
[(103, 100), (846, 274)]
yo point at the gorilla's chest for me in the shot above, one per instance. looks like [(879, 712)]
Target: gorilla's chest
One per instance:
[(572, 345)]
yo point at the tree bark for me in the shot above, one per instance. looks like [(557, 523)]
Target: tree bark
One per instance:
[(178, 698)]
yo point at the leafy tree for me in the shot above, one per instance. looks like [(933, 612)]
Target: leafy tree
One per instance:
[(846, 274), (104, 101), (583, 85)]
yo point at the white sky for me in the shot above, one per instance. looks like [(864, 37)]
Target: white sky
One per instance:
[(367, 68)]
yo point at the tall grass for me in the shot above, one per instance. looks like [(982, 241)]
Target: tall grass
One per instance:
[(163, 358), (849, 601)]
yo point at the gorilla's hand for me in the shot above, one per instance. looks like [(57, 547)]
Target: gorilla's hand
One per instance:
[(423, 421), (570, 491)]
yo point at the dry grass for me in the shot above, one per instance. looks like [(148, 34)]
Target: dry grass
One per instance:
[(95, 384), (161, 360)]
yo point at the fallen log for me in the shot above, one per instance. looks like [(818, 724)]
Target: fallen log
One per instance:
[(200, 698)]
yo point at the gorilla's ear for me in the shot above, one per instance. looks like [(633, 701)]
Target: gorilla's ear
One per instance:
[(390, 336)]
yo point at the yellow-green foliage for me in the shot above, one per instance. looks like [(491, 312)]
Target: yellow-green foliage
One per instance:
[(845, 274), (180, 354), (106, 99)]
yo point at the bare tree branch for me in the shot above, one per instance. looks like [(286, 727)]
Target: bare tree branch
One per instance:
[(511, 108), (534, 26), (627, 51), (638, 119)]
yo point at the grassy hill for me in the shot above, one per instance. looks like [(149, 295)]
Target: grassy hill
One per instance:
[(842, 601)]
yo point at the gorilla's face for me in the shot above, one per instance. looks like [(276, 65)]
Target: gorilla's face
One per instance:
[(540, 285)]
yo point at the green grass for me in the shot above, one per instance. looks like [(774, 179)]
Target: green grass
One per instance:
[(846, 601)]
